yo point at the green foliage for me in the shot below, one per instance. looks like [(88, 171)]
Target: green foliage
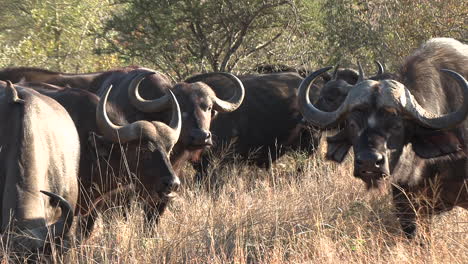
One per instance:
[(300, 46), (181, 37), (52, 34), (388, 30), (184, 36)]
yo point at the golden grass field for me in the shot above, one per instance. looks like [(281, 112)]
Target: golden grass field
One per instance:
[(319, 215)]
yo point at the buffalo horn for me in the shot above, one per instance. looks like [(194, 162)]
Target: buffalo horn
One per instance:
[(62, 226), (444, 121), (335, 73), (143, 105), (136, 129), (12, 94), (380, 68), (224, 105), (172, 132), (362, 76), (38, 237), (114, 132), (309, 111)]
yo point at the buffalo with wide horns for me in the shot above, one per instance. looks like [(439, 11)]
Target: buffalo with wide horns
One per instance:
[(117, 153), (412, 129), (145, 98), (269, 124)]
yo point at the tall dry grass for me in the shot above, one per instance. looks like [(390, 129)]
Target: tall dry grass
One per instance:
[(301, 211)]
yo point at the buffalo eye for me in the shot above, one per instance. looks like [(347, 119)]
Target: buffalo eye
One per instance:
[(205, 107)]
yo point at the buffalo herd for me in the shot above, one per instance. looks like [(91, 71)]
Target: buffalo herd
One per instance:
[(70, 141)]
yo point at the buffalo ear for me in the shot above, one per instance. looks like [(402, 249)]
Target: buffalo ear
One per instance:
[(99, 145), (429, 144), (338, 146)]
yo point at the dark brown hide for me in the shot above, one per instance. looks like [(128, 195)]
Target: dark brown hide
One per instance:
[(192, 99), (106, 166), (39, 153), (266, 125), (409, 134)]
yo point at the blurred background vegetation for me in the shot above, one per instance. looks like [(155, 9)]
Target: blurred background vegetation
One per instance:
[(182, 37)]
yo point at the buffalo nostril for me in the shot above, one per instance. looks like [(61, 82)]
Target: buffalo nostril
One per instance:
[(379, 160), (172, 185), (200, 136), (370, 160)]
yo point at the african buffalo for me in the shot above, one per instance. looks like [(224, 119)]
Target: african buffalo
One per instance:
[(39, 152), (199, 105), (115, 152), (336, 86), (268, 124), (146, 99), (198, 101), (413, 129)]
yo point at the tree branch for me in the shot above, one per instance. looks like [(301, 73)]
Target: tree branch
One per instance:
[(243, 32), (262, 46)]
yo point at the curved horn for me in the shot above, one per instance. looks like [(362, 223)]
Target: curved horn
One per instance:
[(118, 133), (146, 106), (236, 100), (380, 68), (36, 238), (444, 121), (362, 76), (12, 94), (308, 110), (335, 73), (175, 126), (62, 226), (224, 105)]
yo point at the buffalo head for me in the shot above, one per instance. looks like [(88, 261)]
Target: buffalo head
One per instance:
[(147, 146), (378, 119), (336, 87), (199, 105)]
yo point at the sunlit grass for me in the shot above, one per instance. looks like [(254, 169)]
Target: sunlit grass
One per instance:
[(316, 214)]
